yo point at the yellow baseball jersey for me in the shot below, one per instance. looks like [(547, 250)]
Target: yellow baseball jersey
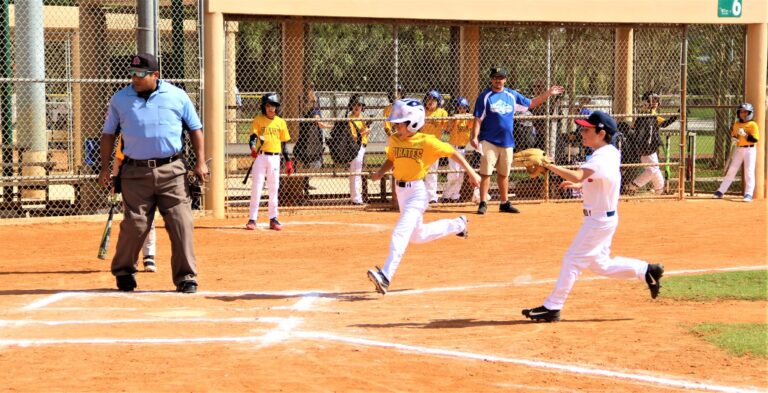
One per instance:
[(388, 125), (750, 127), (435, 127), (413, 156), (459, 133), (360, 126), (273, 130)]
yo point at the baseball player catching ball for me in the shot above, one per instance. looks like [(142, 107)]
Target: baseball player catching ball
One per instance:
[(600, 181), (411, 153)]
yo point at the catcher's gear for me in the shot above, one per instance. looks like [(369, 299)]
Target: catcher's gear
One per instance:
[(534, 161), (749, 108), (408, 111)]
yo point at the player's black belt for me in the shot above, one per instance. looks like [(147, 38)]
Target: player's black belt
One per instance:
[(364, 145), (270, 154), (153, 162), (405, 184), (589, 213), (459, 147), (748, 146)]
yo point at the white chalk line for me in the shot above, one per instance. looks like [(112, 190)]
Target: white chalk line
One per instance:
[(320, 293), (568, 368), (27, 322)]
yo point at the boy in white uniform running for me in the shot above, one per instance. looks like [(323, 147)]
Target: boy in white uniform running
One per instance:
[(411, 153), (600, 181)]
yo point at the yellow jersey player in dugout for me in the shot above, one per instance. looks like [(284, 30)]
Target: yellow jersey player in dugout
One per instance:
[(410, 154)]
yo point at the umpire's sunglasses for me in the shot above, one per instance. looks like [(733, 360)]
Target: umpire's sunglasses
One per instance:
[(138, 73)]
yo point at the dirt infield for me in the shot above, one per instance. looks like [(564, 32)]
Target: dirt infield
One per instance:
[(293, 311)]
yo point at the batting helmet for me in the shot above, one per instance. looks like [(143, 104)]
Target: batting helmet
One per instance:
[(747, 107), (395, 94), (271, 98), (408, 111), (462, 102), (649, 95), (434, 94)]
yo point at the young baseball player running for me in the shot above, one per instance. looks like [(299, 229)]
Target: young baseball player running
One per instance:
[(150, 243), (600, 181), (411, 153), (459, 130), (268, 132), (746, 133)]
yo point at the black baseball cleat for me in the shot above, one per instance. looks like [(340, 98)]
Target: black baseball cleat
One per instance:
[(653, 278), (507, 207), (126, 283), (187, 286), (482, 208), (465, 232), (542, 313), (379, 280)]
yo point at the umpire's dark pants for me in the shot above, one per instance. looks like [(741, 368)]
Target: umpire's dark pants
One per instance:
[(163, 188)]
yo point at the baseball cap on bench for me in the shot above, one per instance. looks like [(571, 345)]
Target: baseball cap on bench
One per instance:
[(144, 62), (599, 120)]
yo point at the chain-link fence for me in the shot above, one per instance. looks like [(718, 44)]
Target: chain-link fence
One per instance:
[(62, 61), (335, 62), (54, 92)]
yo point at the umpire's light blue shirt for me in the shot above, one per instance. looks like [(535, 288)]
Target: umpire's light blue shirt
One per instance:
[(151, 128), (496, 112)]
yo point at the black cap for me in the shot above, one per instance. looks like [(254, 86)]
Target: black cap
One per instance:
[(498, 71), (599, 120), (144, 62)]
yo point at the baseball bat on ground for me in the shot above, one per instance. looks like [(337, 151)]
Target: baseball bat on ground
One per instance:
[(730, 157), (104, 246)]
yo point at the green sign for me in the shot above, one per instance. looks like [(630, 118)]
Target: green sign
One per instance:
[(729, 8)]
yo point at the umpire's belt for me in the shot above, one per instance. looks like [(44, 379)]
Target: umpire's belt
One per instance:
[(153, 162), (591, 213), (266, 153), (405, 184)]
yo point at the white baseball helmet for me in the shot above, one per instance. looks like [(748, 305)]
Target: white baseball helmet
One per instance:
[(408, 111)]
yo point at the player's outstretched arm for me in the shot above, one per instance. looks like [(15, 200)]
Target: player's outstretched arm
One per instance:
[(474, 178), (572, 175), (385, 167)]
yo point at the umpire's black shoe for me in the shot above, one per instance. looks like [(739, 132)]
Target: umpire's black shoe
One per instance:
[(653, 278), (379, 280), (507, 207), (188, 286), (126, 283), (542, 313), (482, 208)]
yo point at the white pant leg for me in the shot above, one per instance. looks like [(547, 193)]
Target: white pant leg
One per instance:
[(150, 243), (455, 180), (258, 172), (431, 181), (750, 157), (651, 173), (355, 182), (591, 249), (424, 233), (412, 202), (273, 184), (733, 169)]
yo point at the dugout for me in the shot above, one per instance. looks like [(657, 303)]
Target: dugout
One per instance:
[(625, 19)]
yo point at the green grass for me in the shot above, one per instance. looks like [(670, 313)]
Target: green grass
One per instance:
[(749, 285), (739, 338)]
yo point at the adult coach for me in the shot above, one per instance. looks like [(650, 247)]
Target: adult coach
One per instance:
[(151, 114), (493, 134), (600, 181)]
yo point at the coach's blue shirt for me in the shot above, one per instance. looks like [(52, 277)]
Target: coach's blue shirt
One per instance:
[(496, 112), (151, 128)]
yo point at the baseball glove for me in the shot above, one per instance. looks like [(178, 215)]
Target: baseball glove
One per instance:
[(534, 161)]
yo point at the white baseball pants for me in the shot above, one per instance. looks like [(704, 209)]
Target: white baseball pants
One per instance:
[(592, 249), (651, 173), (746, 156), (431, 181), (265, 166), (410, 227), (355, 182), (455, 180), (150, 243)]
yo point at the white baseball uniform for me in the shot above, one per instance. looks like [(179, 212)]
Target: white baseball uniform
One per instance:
[(592, 246)]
